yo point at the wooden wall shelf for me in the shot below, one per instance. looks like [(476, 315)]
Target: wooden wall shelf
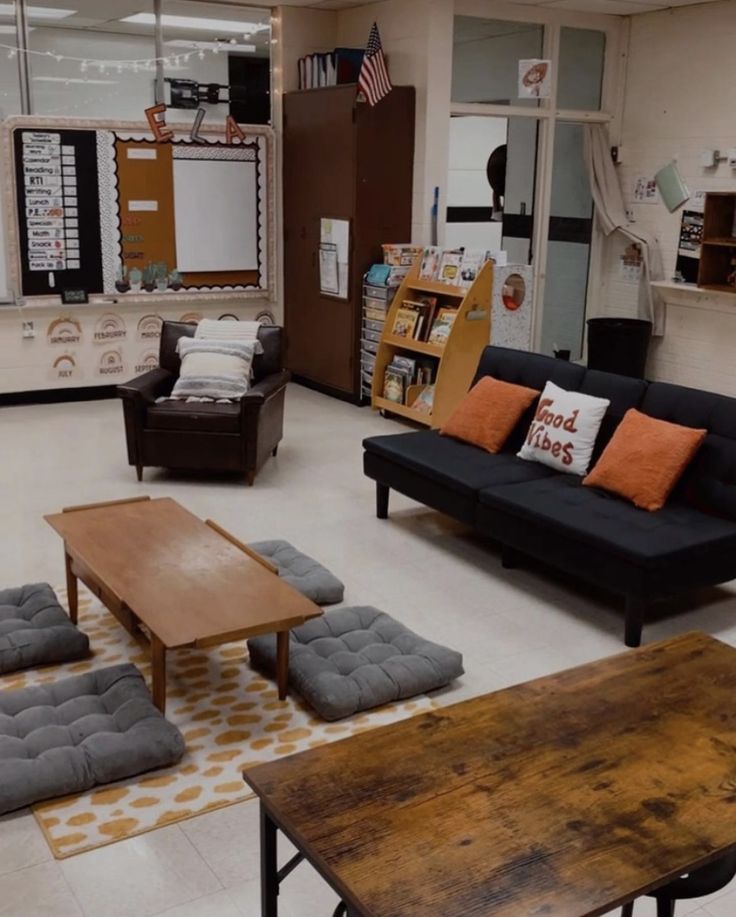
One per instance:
[(718, 248), (457, 359)]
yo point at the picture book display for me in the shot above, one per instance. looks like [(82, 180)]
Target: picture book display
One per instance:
[(458, 267)]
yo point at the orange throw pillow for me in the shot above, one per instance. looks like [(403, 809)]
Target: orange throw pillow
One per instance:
[(488, 413), (645, 459)]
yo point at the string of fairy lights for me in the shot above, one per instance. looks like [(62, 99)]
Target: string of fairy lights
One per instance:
[(87, 64)]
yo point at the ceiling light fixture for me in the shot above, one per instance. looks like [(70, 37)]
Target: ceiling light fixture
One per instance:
[(193, 22), (37, 12), (202, 46), (73, 79)]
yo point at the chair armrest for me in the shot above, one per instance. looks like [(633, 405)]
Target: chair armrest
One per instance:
[(148, 387), (260, 392)]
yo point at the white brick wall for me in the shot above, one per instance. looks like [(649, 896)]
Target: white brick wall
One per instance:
[(679, 101)]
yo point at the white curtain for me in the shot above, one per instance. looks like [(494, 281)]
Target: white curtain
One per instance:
[(611, 214)]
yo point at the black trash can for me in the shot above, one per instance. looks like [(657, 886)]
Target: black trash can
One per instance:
[(619, 345)]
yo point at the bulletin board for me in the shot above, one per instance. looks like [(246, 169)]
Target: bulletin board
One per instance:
[(106, 208)]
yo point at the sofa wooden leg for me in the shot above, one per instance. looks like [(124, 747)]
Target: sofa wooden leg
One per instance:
[(139, 472), (250, 477), (275, 451), (509, 558), (382, 494), (633, 622)]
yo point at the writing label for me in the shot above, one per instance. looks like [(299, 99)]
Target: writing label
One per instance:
[(41, 137), (42, 192), (44, 223), (45, 233), (36, 245), (54, 210), (37, 264), (39, 168)]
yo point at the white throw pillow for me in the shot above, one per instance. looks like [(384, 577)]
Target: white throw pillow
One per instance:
[(216, 370), (564, 430)]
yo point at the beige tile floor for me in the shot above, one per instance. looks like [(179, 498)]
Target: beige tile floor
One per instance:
[(430, 572)]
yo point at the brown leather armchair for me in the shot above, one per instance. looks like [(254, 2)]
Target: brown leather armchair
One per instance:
[(205, 436)]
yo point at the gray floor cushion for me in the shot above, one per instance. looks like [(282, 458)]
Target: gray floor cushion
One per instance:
[(35, 629), (78, 733), (302, 572), (356, 658)]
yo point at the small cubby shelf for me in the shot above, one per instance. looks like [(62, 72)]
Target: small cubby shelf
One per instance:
[(718, 247), (457, 359)]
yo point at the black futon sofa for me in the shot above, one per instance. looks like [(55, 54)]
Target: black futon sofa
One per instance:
[(535, 511)]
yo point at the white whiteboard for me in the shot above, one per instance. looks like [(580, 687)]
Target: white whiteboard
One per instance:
[(216, 215)]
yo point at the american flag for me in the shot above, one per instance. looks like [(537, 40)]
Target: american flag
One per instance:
[(374, 81)]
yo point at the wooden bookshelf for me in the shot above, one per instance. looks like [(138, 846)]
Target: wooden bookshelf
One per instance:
[(457, 359), (718, 248)]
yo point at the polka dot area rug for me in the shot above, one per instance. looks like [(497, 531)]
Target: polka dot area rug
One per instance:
[(230, 717)]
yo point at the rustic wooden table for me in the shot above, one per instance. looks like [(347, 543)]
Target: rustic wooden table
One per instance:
[(188, 582), (564, 797)]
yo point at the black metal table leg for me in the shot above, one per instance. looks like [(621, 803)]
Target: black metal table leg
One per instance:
[(269, 867)]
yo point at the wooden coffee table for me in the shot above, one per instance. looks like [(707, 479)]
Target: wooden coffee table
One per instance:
[(187, 582), (567, 796)]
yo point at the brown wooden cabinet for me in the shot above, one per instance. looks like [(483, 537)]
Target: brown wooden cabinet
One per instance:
[(342, 160)]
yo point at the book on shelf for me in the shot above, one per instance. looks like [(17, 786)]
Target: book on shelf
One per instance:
[(470, 266), (333, 68), (425, 371), (430, 267), (402, 255), (405, 322), (424, 402), (457, 266), (424, 306), (449, 271), (393, 385), (442, 326)]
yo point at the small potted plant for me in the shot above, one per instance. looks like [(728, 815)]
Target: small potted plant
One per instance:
[(149, 278), (122, 284), (135, 279), (176, 281), (162, 277)]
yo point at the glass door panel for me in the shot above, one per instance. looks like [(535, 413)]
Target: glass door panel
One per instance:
[(568, 252), (486, 55)]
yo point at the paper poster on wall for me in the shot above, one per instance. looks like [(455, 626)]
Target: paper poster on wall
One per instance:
[(329, 281), (535, 79), (337, 233), (645, 190)]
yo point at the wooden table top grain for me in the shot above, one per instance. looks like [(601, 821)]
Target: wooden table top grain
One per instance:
[(566, 796), (183, 580)]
